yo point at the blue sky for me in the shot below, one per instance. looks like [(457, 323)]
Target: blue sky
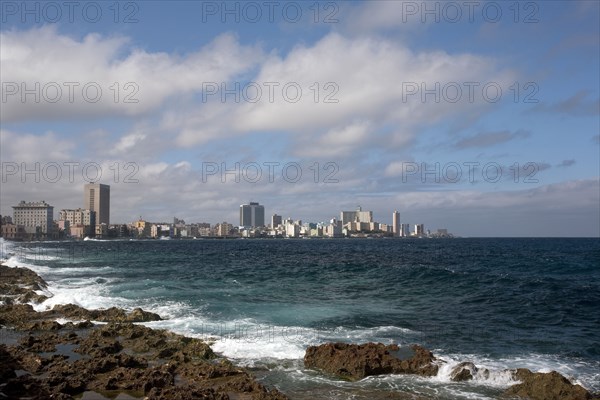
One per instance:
[(481, 120)]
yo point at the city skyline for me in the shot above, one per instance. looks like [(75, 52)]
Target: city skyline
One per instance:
[(251, 215), (486, 123), (35, 220)]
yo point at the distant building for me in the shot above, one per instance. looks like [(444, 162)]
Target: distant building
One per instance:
[(252, 215), (356, 216), (78, 231), (161, 230), (275, 221), (86, 218), (36, 218), (334, 229), (96, 197), (64, 228), (419, 230), (292, 230), (142, 228), (405, 230), (13, 232), (396, 223), (224, 229), (101, 230)]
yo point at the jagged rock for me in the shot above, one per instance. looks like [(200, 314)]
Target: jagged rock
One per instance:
[(139, 315), (112, 314), (17, 314), (545, 386), (184, 393), (354, 362), (107, 357), (7, 365), (43, 343), (41, 326), (465, 371), (19, 285)]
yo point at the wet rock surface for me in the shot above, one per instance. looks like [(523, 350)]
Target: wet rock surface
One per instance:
[(354, 361), (466, 371), (19, 285), (62, 361), (546, 386)]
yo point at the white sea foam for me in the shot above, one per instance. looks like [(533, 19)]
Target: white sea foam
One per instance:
[(582, 373), (494, 377), (82, 292)]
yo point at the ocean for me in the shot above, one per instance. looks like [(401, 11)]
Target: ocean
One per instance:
[(500, 303)]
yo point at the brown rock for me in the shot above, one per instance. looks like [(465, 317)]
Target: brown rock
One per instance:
[(185, 393), (545, 386), (139, 315), (112, 314), (354, 362), (45, 342), (18, 285), (17, 314), (465, 371), (7, 364), (46, 325), (171, 366)]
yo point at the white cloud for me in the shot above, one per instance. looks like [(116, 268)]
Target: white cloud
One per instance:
[(364, 80), (369, 79), (44, 57), (30, 148), (126, 143)]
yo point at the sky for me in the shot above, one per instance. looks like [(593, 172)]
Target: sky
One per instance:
[(479, 117)]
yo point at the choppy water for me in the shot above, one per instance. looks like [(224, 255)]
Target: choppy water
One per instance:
[(501, 303)]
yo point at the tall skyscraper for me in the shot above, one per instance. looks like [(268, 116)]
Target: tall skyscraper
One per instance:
[(96, 197), (252, 215), (396, 223), (275, 220)]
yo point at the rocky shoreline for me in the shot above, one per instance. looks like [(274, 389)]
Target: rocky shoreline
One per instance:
[(45, 359), (354, 362), (41, 358)]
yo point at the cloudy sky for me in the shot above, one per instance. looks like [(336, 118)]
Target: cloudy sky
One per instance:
[(479, 117)]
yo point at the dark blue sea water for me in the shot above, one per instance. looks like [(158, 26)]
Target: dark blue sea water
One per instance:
[(501, 303)]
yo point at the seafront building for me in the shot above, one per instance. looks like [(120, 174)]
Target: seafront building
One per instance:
[(275, 221), (224, 229), (36, 218), (356, 216), (419, 230), (96, 197), (77, 223), (405, 230), (396, 223), (252, 215), (11, 231)]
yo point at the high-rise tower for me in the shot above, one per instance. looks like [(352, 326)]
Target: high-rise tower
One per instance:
[(252, 215), (396, 223), (96, 197)]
